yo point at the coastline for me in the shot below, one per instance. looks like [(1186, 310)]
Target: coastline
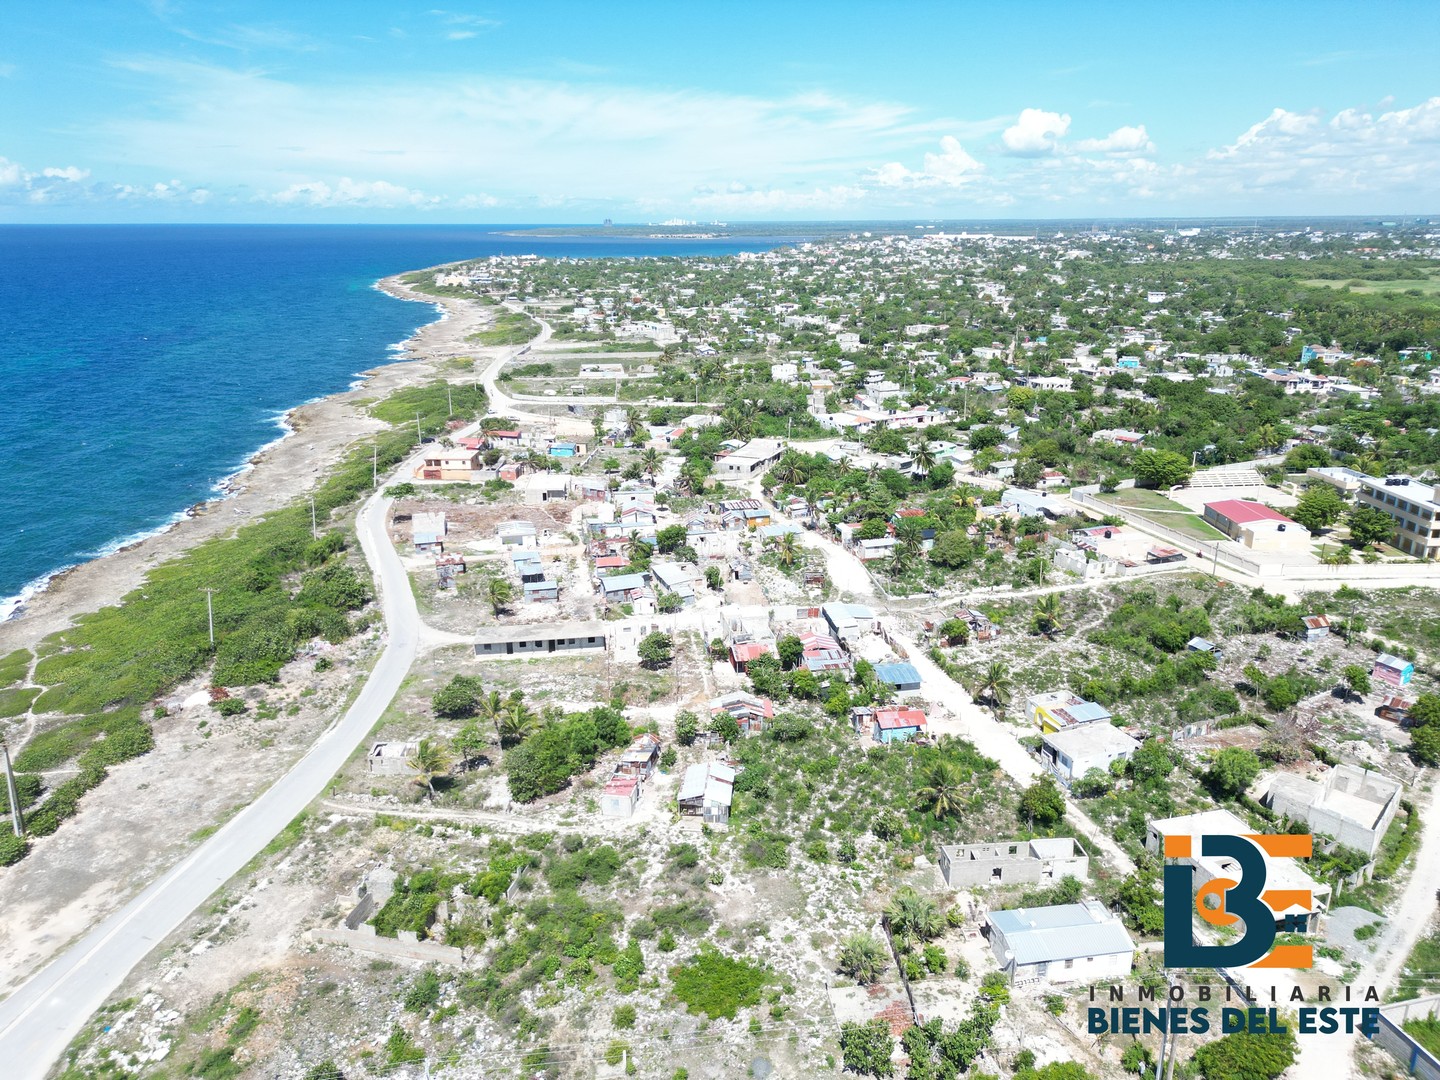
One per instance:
[(314, 436)]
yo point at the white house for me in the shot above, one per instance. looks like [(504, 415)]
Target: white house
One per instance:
[(1065, 943)]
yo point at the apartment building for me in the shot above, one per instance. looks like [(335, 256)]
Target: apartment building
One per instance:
[(1415, 507)]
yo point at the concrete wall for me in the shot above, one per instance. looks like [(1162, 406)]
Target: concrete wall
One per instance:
[(960, 870), (1111, 968), (364, 939), (1392, 1037)]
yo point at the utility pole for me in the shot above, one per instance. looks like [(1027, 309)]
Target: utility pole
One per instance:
[(419, 435), (374, 467), (15, 819), (450, 400), (314, 528), (210, 613)]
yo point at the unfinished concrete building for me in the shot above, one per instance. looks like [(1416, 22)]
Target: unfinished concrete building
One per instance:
[(1354, 806), (1013, 862)]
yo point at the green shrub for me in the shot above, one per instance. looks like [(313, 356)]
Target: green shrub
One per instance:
[(230, 706), (623, 1017), (718, 985)]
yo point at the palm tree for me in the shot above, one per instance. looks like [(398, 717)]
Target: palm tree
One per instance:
[(1266, 437), (943, 793), (517, 723), (913, 917), (901, 559), (429, 761), (637, 550), (501, 592), (995, 685), (1049, 614), (862, 958), (492, 708), (790, 469), (924, 458), (650, 462), (786, 550)]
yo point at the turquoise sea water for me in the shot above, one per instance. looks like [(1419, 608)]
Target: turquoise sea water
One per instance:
[(142, 365)]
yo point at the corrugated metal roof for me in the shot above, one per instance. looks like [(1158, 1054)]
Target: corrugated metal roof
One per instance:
[(897, 674), (1063, 932)]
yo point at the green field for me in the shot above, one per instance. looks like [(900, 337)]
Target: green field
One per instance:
[(1166, 511), (1429, 285)]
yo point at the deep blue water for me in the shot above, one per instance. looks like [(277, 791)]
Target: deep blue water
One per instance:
[(141, 365)]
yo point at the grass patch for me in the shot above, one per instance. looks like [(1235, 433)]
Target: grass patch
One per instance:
[(718, 985), (14, 667), (511, 328), (1421, 974), (15, 701), (1425, 1032)]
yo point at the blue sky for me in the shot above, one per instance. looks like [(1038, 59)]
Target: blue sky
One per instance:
[(164, 110)]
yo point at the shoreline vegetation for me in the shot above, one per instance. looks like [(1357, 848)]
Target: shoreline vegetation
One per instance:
[(83, 669)]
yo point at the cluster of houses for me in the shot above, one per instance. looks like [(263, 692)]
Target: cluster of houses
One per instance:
[(468, 459), (621, 793)]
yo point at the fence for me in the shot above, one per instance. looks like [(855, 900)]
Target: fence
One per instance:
[(1392, 1036), (1187, 542)]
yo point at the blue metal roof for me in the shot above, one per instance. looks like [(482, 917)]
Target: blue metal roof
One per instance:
[(897, 674), (1062, 932)]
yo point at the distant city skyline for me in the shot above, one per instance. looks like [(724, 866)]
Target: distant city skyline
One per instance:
[(563, 112)]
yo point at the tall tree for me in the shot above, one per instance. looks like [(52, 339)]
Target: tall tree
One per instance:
[(429, 762)]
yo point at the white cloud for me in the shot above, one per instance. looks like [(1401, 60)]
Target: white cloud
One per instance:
[(461, 35), (349, 193), (1123, 140), (11, 174), (776, 200), (70, 173), (952, 167), (1035, 131)]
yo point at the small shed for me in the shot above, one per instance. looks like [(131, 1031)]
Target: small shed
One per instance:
[(706, 791), (891, 724), (1199, 644), (642, 759), (390, 758), (902, 677), (1315, 627), (620, 796), (1392, 670), (542, 590), (1396, 709)]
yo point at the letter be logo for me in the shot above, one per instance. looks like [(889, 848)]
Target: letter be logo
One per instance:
[(1243, 900)]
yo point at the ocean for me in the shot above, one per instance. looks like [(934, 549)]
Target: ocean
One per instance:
[(143, 365)]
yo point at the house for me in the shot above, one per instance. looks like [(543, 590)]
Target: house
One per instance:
[(447, 463), (428, 531), (391, 758), (706, 790), (541, 590), (742, 652), (1355, 806), (754, 457), (527, 565), (888, 723), (642, 758), (1257, 526), (618, 588), (1316, 627), (1392, 670), (823, 653), (589, 489), (903, 677), (848, 621), (516, 533), (637, 517), (1057, 710), (881, 547), (743, 514), (673, 578), (1074, 751), (620, 796), (1199, 644), (1013, 862), (536, 638), (1060, 944), (501, 438), (1308, 896), (1031, 504), (1160, 554), (752, 713), (543, 487), (981, 628)]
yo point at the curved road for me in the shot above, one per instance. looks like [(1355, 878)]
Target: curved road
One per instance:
[(40, 1019)]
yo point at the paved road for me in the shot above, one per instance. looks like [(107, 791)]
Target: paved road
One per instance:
[(41, 1018)]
